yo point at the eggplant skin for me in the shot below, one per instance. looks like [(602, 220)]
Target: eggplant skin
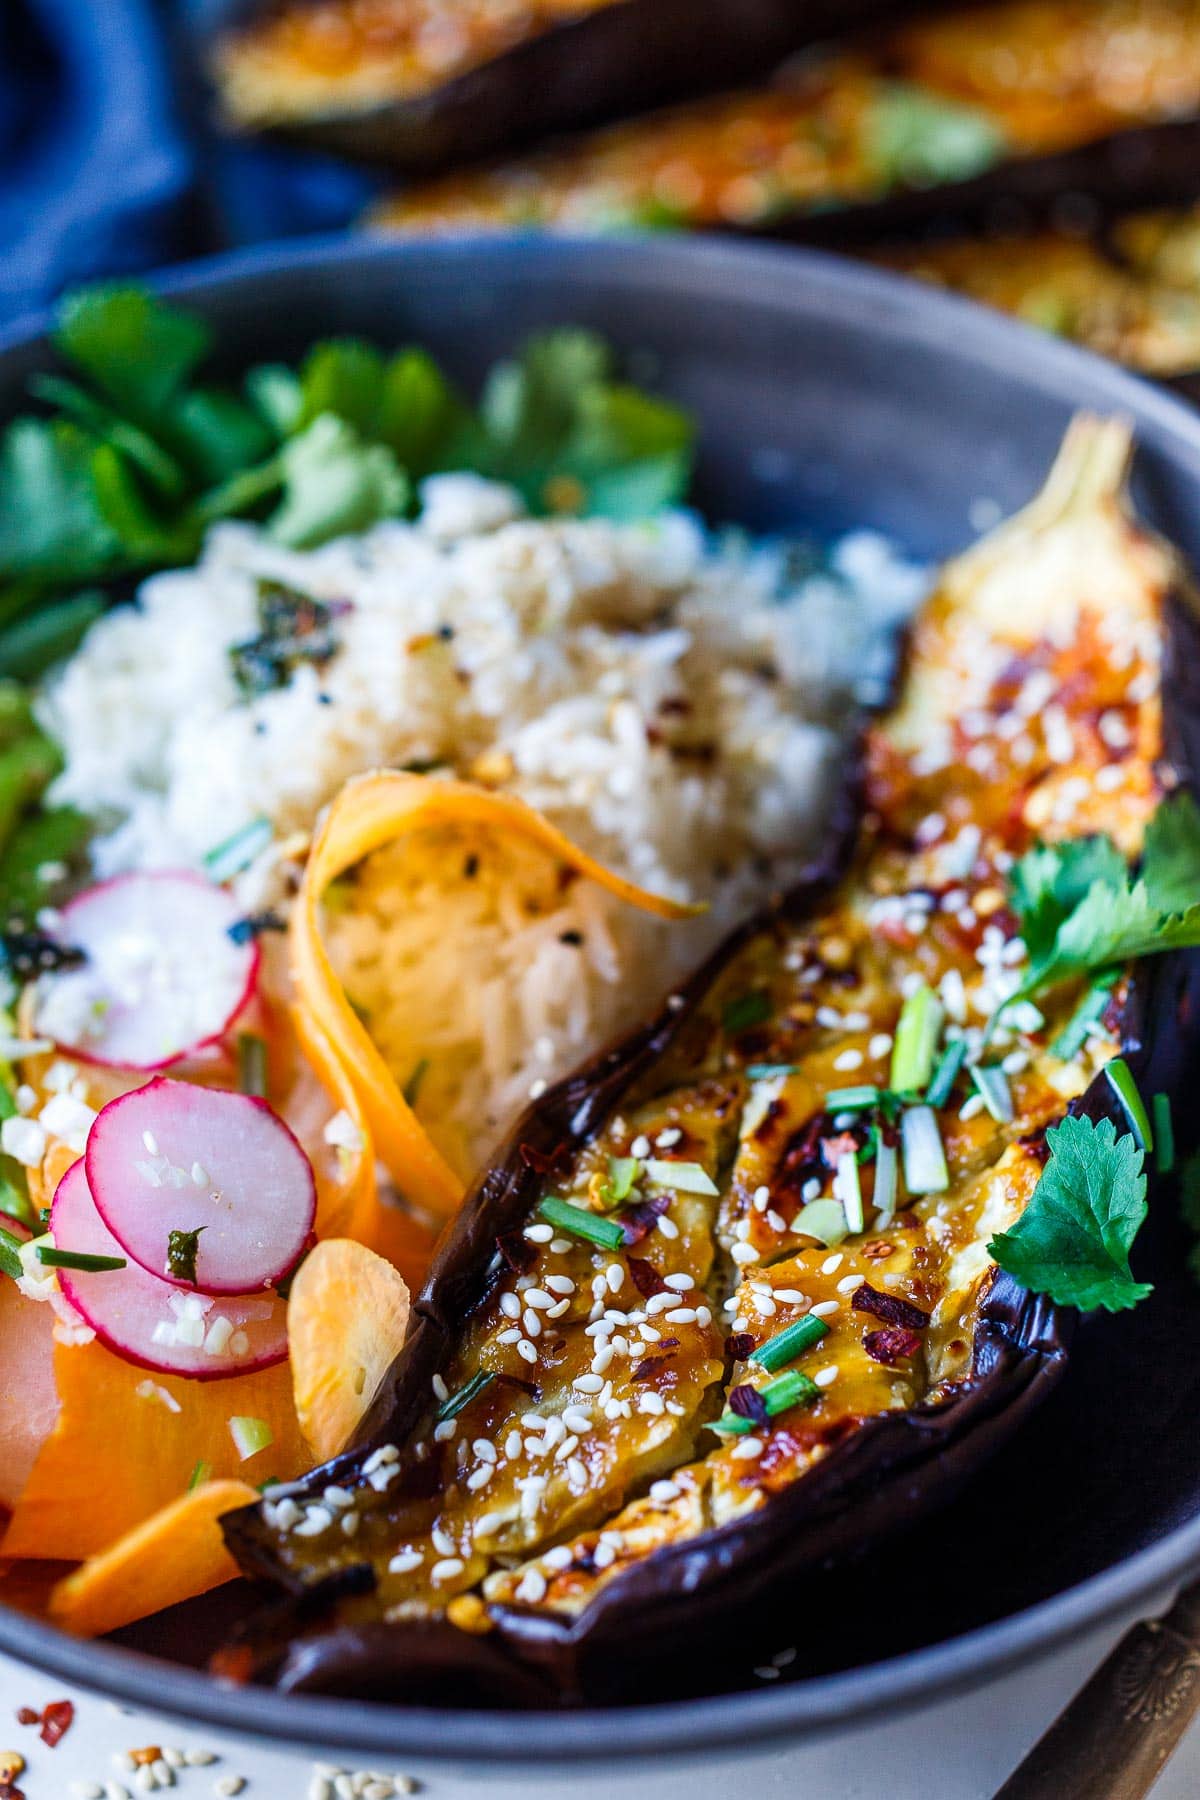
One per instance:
[(615, 57), (878, 1475)]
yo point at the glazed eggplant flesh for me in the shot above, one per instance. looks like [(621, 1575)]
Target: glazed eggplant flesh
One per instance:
[(981, 105), (791, 1305)]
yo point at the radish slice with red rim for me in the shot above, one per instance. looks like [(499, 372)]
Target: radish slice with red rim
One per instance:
[(151, 1323), (172, 1157), (162, 977)]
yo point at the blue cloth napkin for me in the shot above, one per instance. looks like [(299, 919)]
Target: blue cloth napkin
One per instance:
[(108, 160)]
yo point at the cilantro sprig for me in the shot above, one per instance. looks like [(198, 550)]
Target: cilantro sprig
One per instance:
[(1073, 1239), (1083, 911), (141, 452)]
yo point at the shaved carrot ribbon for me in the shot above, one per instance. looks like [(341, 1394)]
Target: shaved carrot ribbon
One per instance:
[(370, 812), (175, 1554)]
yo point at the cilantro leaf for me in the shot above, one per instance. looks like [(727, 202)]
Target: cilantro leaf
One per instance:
[(1051, 880), (918, 138), (1113, 926), (138, 350), (335, 483), (1072, 1241), (51, 525), (1171, 856)]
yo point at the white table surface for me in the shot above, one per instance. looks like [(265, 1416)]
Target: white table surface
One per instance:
[(957, 1750)]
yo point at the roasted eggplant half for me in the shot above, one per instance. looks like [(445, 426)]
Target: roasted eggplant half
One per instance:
[(727, 1307), (418, 84), (957, 113)]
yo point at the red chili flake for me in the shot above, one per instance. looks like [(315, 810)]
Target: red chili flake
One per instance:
[(27, 1716), (541, 1161), (645, 1277), (516, 1251), (834, 1148), (1035, 1143), (517, 1381), (739, 1345), (748, 1403), (639, 1221), (56, 1722), (649, 1367), (9, 1792), (888, 1307), (892, 1345)]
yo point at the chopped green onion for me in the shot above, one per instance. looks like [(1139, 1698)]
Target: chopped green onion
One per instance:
[(853, 1099), (623, 1172), (946, 1074), (847, 1187), (684, 1177), (1164, 1134), (779, 1396), (13, 1202), (1088, 1014), (412, 1086), (991, 1084), (605, 1232), (249, 1436), (746, 1010), (765, 1071), (823, 1220), (252, 1064), (199, 1476), (925, 1170), (884, 1197), (53, 1258), (916, 1040), (470, 1390), (10, 1255), (1125, 1088), (182, 1250), (790, 1343), (237, 852)]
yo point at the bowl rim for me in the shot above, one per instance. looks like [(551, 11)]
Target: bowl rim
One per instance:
[(808, 283)]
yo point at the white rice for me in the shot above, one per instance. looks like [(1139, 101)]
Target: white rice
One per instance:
[(676, 706)]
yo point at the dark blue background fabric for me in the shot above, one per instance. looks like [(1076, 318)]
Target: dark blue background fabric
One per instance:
[(108, 162)]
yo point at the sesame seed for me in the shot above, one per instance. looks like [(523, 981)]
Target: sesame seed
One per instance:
[(405, 1561), (576, 1473), (510, 1306), (663, 1492), (614, 1275), (447, 1569), (226, 1786), (811, 1189), (150, 1142), (847, 1284), (972, 1105), (668, 1227), (512, 1445), (668, 1139), (526, 1351), (439, 1387), (681, 1283), (743, 1254), (560, 1284), (823, 1308), (604, 1556), (532, 1586), (747, 1449), (443, 1433), (824, 1377), (640, 1146), (588, 1384), (531, 1322), (538, 1234), (681, 1315), (832, 1264)]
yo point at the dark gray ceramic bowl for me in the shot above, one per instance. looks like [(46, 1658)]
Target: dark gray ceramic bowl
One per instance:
[(828, 396)]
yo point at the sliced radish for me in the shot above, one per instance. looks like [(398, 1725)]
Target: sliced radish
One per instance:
[(162, 977), (172, 1156), (151, 1323)]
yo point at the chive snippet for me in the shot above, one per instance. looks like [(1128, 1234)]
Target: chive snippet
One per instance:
[(886, 1167), (450, 1408), (53, 1258), (765, 1071), (853, 1099), (991, 1084), (682, 1177), (792, 1388), (925, 1170), (238, 851), (1164, 1134), (946, 1074), (790, 1343), (10, 1255), (1087, 1015), (605, 1232), (623, 1172), (1121, 1081), (252, 1064), (916, 1040), (199, 1476), (746, 1010)]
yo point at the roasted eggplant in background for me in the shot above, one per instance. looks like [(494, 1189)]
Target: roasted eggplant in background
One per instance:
[(729, 1307), (985, 106), (1131, 292), (418, 84)]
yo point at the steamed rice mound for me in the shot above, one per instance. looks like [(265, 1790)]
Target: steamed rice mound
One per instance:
[(677, 707)]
